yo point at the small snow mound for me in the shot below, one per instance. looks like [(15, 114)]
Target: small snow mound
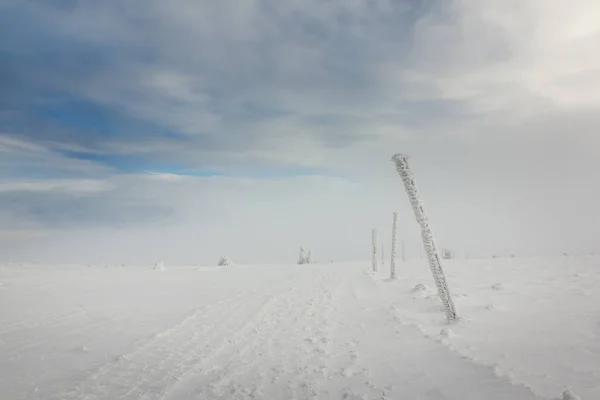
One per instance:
[(568, 395), (422, 291), (159, 266), (224, 261), (447, 332), (498, 286), (122, 357), (82, 349), (498, 371), (420, 288), (505, 373)]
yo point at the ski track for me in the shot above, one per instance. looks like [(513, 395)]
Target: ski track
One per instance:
[(324, 336), (154, 365), (263, 366), (398, 361)]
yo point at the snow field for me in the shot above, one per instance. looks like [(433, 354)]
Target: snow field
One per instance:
[(529, 330)]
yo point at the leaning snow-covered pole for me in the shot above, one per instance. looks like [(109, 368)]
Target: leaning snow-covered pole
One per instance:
[(433, 255), (375, 242), (394, 244)]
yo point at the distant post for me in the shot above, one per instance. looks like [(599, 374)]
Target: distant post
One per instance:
[(394, 245), (433, 255), (375, 236)]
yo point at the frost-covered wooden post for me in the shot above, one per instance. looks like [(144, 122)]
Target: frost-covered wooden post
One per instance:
[(433, 255), (375, 242), (403, 251), (394, 244)]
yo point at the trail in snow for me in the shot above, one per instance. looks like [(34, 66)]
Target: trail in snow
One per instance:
[(326, 335), (379, 357)]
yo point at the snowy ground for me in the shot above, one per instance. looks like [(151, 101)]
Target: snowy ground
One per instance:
[(531, 329)]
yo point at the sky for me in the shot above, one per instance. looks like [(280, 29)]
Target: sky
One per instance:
[(186, 130)]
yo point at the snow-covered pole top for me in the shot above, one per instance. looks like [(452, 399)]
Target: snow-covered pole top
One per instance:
[(399, 156), (401, 161)]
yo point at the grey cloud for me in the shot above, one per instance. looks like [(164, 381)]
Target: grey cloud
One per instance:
[(496, 107), (268, 55), (59, 210)]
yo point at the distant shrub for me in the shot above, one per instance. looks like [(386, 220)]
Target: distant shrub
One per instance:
[(305, 257), (224, 261), (447, 254)]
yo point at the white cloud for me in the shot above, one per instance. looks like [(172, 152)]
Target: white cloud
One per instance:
[(507, 53), (63, 185), (496, 100), (21, 157)]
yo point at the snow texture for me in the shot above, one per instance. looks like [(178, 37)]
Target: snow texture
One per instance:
[(568, 395), (433, 256), (333, 331)]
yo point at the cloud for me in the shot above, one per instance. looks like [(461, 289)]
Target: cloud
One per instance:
[(64, 185), (26, 159), (213, 120), (507, 54), (216, 74), (266, 73)]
